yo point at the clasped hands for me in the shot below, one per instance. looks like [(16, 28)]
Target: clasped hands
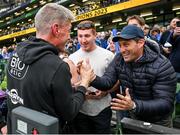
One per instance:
[(87, 76), (86, 73)]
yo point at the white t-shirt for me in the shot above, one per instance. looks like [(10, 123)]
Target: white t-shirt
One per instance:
[(99, 60)]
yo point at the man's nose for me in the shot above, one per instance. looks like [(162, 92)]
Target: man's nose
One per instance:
[(83, 39)]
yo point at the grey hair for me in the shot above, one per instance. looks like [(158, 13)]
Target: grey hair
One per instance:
[(51, 13)]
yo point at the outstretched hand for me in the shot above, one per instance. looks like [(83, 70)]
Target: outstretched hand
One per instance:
[(122, 102)]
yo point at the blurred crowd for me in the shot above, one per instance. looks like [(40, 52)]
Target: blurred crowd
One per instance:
[(103, 38), (20, 27), (77, 11), (6, 52), (12, 5)]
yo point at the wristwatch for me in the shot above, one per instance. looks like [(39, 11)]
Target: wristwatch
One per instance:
[(134, 106)]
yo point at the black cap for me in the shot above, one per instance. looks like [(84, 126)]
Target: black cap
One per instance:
[(129, 32)]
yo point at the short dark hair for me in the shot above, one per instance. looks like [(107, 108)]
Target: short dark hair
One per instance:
[(155, 29), (87, 24), (138, 18)]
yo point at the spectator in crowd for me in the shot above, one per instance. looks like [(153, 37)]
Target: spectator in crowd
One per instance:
[(147, 33), (174, 55), (147, 78), (146, 30), (136, 20), (155, 34), (162, 30), (165, 37), (36, 74), (1, 57), (10, 51), (111, 45), (166, 34), (5, 53), (140, 22), (95, 114), (71, 48), (103, 40)]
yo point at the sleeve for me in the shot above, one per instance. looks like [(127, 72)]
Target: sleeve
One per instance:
[(164, 37), (67, 102), (109, 78), (163, 92), (174, 41)]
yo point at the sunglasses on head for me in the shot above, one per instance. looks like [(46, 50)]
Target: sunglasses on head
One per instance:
[(85, 26)]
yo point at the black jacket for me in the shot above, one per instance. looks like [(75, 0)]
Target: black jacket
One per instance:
[(152, 83), (38, 79), (174, 56)]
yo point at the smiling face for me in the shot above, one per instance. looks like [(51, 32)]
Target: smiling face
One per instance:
[(112, 46), (87, 39), (131, 49)]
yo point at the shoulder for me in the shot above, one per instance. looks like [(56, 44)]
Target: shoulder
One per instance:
[(51, 58), (163, 61), (162, 64), (75, 54), (104, 52), (165, 34)]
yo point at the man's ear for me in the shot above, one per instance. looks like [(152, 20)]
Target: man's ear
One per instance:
[(141, 43), (55, 29)]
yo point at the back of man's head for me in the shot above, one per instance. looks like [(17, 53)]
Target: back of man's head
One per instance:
[(49, 14)]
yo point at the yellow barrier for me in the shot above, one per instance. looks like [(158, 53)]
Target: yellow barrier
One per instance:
[(19, 33)]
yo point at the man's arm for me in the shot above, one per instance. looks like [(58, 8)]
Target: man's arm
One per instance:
[(68, 102), (110, 77)]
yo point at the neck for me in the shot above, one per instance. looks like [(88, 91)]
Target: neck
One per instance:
[(140, 55), (46, 38), (92, 48)]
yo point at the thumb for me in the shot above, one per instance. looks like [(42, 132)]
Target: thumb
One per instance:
[(79, 63), (127, 92)]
